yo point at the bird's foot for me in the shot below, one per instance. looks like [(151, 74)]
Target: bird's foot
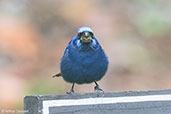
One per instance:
[(98, 89), (71, 92)]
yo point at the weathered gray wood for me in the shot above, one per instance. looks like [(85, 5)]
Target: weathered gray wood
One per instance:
[(34, 104)]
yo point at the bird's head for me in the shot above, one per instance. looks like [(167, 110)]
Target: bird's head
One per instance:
[(85, 34)]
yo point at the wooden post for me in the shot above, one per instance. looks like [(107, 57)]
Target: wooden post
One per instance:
[(133, 102)]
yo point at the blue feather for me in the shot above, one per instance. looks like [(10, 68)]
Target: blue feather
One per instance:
[(83, 63)]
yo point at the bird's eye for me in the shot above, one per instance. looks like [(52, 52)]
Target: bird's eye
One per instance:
[(79, 35), (91, 34)]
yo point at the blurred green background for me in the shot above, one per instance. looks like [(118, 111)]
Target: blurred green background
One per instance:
[(135, 34)]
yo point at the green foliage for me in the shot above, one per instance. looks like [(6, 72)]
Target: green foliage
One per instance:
[(46, 86), (152, 23), (151, 1)]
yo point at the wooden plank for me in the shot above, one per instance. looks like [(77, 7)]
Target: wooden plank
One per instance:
[(135, 102)]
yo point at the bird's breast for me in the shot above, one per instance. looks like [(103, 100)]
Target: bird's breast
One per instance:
[(84, 57)]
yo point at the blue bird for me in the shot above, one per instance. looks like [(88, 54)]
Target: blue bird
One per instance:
[(84, 60)]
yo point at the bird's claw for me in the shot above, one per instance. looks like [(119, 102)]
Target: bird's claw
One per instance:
[(98, 89), (71, 92)]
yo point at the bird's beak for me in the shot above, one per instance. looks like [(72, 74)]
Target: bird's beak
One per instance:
[(86, 38)]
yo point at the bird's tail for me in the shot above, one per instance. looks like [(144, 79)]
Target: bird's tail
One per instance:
[(57, 75)]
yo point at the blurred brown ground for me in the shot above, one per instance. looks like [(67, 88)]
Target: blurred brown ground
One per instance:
[(135, 34)]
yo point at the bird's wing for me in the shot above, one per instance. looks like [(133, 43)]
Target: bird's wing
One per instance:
[(57, 75)]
